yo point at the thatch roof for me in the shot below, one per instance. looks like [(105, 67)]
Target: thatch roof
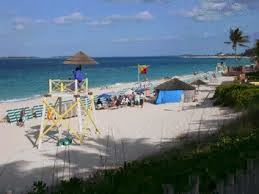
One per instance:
[(198, 82), (174, 84), (80, 58)]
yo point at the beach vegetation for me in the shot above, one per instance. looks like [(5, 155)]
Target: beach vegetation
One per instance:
[(253, 76), (236, 95), (237, 38)]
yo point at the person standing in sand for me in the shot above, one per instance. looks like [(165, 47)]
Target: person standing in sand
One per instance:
[(142, 98), (137, 99), (22, 118)]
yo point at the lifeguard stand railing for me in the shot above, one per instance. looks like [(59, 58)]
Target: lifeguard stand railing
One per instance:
[(68, 86)]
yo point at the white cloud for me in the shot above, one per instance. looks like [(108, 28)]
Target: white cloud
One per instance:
[(19, 27), (21, 22), (73, 17), (139, 17), (206, 35), (210, 10), (41, 21), (145, 39), (138, 1)]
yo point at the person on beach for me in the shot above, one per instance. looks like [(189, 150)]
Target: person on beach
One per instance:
[(78, 75), (21, 120), (141, 100), (118, 102), (137, 99), (99, 104)]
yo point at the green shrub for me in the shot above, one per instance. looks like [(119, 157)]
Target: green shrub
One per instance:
[(253, 76), (39, 187), (236, 95)]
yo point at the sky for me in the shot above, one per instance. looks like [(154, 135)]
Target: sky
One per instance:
[(104, 28)]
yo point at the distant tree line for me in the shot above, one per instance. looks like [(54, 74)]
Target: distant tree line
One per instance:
[(249, 52)]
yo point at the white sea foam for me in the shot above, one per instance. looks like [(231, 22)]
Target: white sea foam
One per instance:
[(20, 99), (186, 78)]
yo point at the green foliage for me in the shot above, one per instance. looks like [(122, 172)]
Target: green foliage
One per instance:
[(39, 187), (236, 95), (237, 38), (254, 76)]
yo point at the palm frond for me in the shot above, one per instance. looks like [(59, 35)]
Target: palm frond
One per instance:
[(242, 45)]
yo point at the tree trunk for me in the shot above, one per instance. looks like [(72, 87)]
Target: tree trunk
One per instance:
[(235, 50)]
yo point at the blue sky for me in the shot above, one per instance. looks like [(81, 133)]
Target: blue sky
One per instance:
[(123, 27)]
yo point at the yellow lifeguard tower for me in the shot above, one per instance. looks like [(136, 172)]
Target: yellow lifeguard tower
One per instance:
[(66, 100)]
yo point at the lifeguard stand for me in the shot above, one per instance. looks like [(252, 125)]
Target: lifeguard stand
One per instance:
[(69, 100)]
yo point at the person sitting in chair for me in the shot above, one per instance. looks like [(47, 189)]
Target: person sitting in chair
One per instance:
[(78, 75), (99, 104)]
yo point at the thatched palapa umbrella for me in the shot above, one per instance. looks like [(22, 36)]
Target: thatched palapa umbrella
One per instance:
[(80, 58), (198, 82), (174, 84)]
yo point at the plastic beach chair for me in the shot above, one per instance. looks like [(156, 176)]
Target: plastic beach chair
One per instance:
[(11, 116), (28, 113), (37, 110)]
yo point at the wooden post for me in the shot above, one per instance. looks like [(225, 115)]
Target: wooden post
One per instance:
[(86, 85), (61, 86), (138, 73), (181, 104), (60, 113), (93, 108), (42, 124), (50, 86), (76, 87), (79, 115)]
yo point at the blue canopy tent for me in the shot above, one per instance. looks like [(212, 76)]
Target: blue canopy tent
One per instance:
[(171, 91)]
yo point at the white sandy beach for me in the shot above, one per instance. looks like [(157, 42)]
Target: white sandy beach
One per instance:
[(126, 134)]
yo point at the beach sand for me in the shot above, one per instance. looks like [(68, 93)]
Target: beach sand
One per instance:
[(127, 133)]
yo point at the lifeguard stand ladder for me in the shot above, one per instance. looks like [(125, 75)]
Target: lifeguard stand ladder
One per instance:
[(55, 116)]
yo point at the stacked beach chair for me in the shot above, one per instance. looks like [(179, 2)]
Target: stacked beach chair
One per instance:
[(13, 115), (37, 110)]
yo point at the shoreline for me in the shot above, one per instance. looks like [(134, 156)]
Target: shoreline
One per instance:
[(97, 90), (215, 57)]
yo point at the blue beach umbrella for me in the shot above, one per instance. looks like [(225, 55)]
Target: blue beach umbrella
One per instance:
[(105, 96)]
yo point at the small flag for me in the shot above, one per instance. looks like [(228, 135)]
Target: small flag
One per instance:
[(142, 69)]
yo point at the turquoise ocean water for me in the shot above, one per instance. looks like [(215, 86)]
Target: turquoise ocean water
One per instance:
[(26, 78)]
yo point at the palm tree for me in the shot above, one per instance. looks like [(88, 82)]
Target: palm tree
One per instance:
[(237, 38)]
